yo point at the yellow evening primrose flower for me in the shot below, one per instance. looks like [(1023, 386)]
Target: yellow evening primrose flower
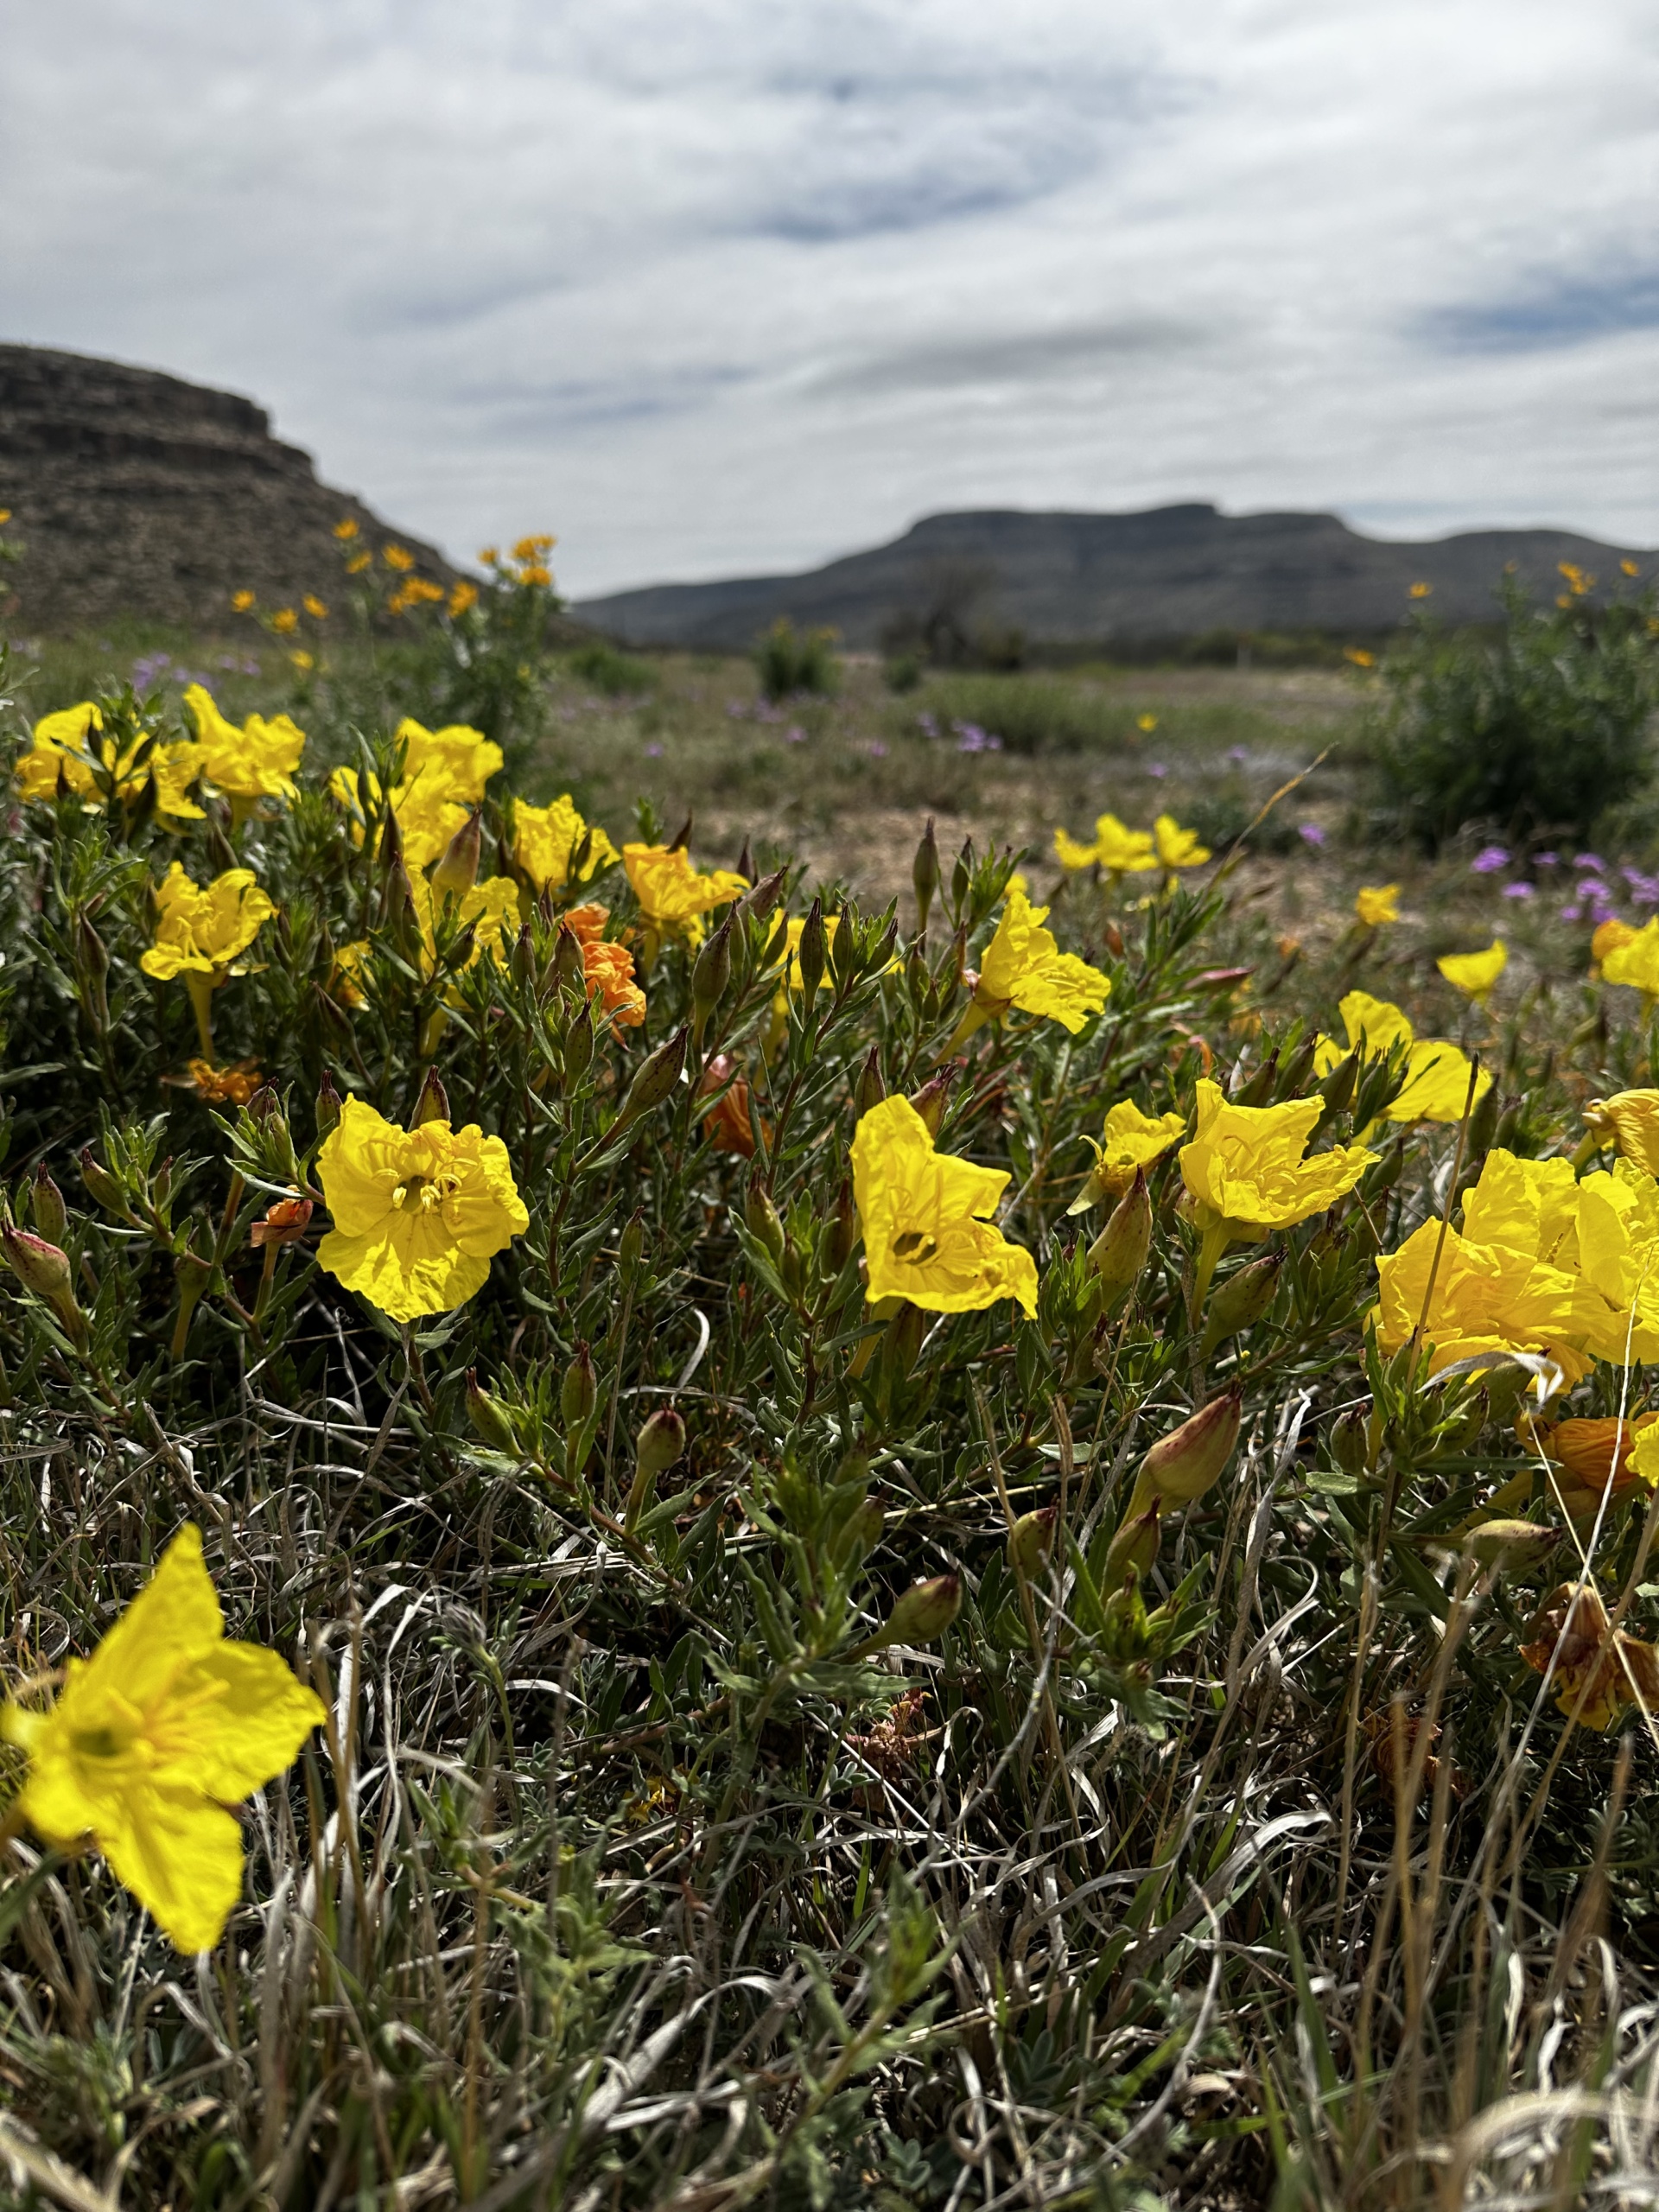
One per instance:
[(256, 761), (490, 907), (1245, 1171), (545, 839), (66, 744), (1122, 851), (149, 1740), (1475, 973), (1071, 854), (1636, 962), (1436, 1085), (673, 897), (457, 760), (1630, 1120), (418, 1213), (1608, 935), (1024, 967), (1377, 903), (927, 1218), (1175, 847), (445, 771), (201, 931), (1134, 1139)]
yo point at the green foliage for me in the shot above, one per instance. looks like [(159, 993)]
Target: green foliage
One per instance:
[(791, 663), (1535, 730), (610, 671)]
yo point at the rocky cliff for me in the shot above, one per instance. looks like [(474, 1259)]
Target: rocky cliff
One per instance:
[(137, 494), (1123, 581)]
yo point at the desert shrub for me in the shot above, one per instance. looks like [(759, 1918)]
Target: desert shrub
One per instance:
[(1533, 729), (609, 670), (790, 662), (902, 673)]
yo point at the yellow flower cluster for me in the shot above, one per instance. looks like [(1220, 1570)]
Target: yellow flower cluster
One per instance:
[(70, 753), (1119, 851), (1436, 1087), (445, 772)]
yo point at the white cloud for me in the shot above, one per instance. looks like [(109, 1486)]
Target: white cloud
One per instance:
[(726, 288)]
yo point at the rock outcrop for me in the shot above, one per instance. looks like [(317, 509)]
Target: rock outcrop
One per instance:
[(135, 493), (1164, 576)]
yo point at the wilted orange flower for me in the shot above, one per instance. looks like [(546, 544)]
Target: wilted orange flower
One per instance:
[(1598, 1673), (607, 970), (285, 1222), (587, 922), (728, 1128), (224, 1086), (1597, 1454)]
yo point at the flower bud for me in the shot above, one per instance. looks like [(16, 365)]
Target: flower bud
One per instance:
[(1119, 1253), (1483, 1123), (812, 950), (39, 1265), (763, 1221), (579, 1390), (630, 1250), (870, 1089), (745, 862), (462, 947), (712, 972), (101, 1185), (489, 1417), (659, 1445), (285, 1221), (1031, 1540), (327, 1106), (1337, 1088), (1243, 1299), (51, 1215), (457, 868), (391, 842), (931, 1100), (1184, 1465), (521, 961), (1351, 1440), (1133, 1549), (924, 874), (922, 1613), (659, 1073), (961, 876), (759, 902), (567, 959), (840, 1234), (578, 1044), (1510, 1543), (433, 1104)]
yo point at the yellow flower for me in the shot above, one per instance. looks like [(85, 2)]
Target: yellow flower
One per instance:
[(1177, 847), (152, 1737), (63, 750), (420, 591), (256, 761), (346, 530), (1359, 657), (545, 839), (1024, 967), (284, 621), (398, 558), (463, 596), (302, 661), (1608, 935), (1474, 973), (492, 906), (201, 928), (241, 601), (1636, 962), (532, 548), (673, 898), (1377, 903), (418, 1213), (315, 607), (535, 574), (1121, 851), (1147, 722), (357, 562), (1631, 1119), (1134, 1139), (444, 774), (926, 1220), (1245, 1171), (1436, 1087), (1422, 591), (1073, 855), (1629, 568), (489, 554)]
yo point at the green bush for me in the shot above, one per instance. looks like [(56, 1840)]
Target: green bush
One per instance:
[(610, 671), (1535, 730), (788, 661), (1034, 713)]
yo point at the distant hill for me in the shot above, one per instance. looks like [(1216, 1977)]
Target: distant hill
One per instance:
[(1121, 580), (136, 493)]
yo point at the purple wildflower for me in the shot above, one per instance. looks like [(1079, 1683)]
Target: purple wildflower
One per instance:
[(1489, 860), (1517, 891), (1546, 860), (1311, 834), (1238, 753), (876, 750), (654, 753), (1157, 768), (1590, 860), (795, 735), (927, 726)]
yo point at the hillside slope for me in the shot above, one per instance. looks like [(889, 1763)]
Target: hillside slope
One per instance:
[(1116, 580)]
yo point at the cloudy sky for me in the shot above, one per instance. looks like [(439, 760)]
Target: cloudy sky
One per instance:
[(728, 287)]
